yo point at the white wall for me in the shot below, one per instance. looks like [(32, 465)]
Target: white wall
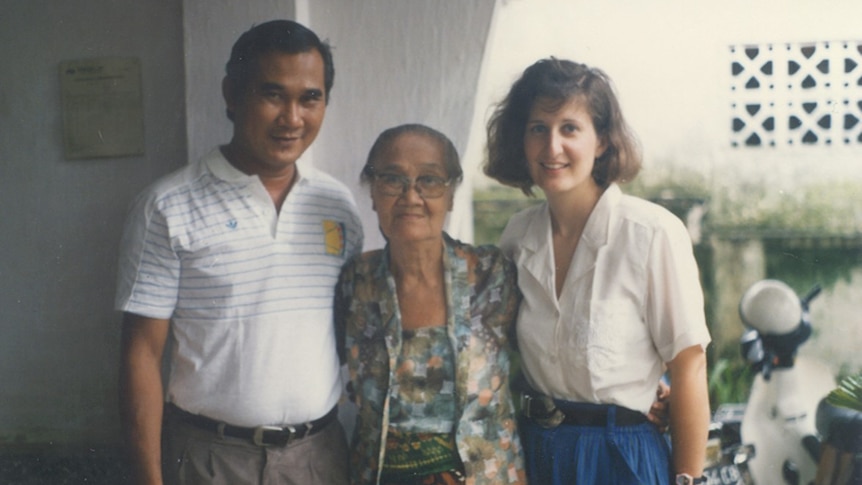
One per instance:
[(210, 29), (397, 62), (61, 219)]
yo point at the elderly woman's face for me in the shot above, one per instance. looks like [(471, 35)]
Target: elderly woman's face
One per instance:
[(410, 189)]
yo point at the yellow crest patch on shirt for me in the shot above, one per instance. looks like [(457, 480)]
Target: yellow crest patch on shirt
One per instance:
[(333, 233)]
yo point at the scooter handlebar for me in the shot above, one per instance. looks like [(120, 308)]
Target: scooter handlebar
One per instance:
[(812, 294)]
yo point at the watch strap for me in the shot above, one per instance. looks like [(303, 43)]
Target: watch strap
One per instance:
[(686, 479)]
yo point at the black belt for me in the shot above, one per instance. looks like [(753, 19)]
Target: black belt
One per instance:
[(260, 435), (547, 413)]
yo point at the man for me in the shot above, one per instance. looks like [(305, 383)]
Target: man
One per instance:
[(233, 259)]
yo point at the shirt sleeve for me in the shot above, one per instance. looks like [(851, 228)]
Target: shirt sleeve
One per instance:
[(675, 305), (149, 268)]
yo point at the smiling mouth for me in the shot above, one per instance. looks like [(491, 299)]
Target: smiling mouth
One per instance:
[(286, 138), (553, 166), (409, 216)]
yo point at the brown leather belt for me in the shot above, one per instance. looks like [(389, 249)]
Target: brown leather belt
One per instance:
[(260, 435)]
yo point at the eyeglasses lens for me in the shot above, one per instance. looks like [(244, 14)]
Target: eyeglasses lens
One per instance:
[(427, 186)]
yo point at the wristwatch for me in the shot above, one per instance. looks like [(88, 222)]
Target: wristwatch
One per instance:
[(686, 479)]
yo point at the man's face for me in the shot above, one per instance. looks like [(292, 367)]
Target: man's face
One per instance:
[(278, 114)]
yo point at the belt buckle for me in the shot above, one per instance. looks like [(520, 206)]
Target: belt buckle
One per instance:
[(526, 402), (257, 436), (547, 417)]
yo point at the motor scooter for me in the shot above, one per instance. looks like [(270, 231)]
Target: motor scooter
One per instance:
[(727, 456), (779, 420)]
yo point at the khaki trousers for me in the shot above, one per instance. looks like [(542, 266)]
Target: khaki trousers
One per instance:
[(192, 456)]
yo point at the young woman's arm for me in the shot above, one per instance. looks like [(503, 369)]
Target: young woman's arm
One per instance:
[(689, 410)]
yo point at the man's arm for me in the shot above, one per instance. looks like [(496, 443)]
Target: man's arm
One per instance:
[(689, 410), (142, 394)]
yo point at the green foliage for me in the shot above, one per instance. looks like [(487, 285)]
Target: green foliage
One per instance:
[(729, 382), (817, 209), (848, 394), (669, 181), (492, 209), (824, 208), (802, 267), (821, 210)]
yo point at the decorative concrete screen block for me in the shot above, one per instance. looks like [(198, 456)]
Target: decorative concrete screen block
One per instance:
[(805, 93)]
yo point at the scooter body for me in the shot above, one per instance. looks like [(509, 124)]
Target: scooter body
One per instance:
[(779, 421), (780, 416)]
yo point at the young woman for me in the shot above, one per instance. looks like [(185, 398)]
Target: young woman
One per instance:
[(612, 297)]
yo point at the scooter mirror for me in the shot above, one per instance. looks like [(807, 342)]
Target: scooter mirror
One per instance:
[(752, 346)]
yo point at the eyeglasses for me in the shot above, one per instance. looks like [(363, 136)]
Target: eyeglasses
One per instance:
[(394, 185)]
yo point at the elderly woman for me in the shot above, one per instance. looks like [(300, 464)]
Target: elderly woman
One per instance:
[(424, 327)]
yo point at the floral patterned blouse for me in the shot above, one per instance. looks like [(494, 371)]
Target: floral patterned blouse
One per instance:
[(482, 300), (422, 399)]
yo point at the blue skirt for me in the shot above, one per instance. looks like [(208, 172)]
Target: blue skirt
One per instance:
[(585, 455)]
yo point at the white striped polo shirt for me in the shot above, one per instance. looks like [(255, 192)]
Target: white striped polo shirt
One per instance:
[(248, 291)]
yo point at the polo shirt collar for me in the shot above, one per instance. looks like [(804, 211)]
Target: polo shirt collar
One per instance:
[(221, 168)]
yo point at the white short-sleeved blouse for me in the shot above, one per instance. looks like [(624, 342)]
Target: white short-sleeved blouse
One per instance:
[(631, 301)]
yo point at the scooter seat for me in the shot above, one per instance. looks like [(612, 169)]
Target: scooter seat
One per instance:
[(840, 426)]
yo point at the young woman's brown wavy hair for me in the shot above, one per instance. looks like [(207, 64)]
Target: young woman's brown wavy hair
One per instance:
[(560, 80)]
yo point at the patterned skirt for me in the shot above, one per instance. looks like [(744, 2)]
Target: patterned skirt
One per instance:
[(421, 459)]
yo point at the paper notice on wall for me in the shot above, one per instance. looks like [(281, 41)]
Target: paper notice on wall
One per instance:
[(103, 112)]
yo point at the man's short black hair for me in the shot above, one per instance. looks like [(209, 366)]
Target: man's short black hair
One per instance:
[(284, 36)]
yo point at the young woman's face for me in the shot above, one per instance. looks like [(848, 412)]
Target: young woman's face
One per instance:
[(411, 213), (561, 145)]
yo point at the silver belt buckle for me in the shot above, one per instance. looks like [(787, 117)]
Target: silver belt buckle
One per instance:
[(526, 405), (547, 417), (257, 437)]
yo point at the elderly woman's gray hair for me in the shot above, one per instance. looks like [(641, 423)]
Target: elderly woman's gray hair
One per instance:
[(451, 161)]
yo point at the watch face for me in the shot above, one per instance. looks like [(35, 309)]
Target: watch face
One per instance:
[(683, 479)]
